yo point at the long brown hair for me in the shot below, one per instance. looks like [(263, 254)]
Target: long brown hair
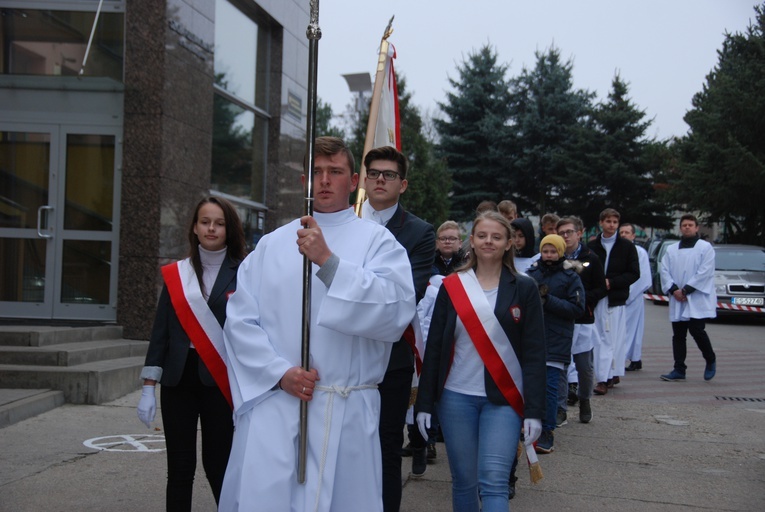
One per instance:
[(236, 249), (508, 259)]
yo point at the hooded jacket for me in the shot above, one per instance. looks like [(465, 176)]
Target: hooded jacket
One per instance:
[(562, 301)]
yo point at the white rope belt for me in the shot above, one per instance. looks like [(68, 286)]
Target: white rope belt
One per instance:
[(343, 392)]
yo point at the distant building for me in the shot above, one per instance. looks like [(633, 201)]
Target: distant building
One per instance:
[(99, 172)]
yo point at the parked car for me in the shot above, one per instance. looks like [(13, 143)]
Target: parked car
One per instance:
[(739, 276), (656, 250)]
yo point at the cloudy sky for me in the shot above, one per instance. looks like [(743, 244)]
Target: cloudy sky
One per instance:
[(662, 48)]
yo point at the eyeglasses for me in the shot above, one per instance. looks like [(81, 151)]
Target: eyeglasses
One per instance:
[(567, 233), (373, 174), (449, 239)]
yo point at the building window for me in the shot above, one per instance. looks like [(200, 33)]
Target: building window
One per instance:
[(53, 42), (240, 117), (240, 114)]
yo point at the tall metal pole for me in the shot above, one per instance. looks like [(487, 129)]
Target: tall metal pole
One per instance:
[(313, 33)]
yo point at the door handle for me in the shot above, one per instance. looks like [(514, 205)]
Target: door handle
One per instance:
[(47, 228)]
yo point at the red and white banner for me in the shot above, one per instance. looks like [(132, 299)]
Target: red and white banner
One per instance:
[(388, 127), (489, 338), (720, 305), (198, 321)]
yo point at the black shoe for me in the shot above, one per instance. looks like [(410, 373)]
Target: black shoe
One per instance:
[(561, 418), (419, 461), (585, 411), (511, 487), (573, 393), (545, 442), (406, 451), (634, 366), (431, 452)]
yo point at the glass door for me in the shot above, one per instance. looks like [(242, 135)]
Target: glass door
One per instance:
[(59, 221)]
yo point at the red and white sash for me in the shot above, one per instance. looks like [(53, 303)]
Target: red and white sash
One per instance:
[(489, 338), (197, 320), (413, 337)]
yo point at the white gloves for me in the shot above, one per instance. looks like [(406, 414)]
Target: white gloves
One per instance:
[(147, 406), (423, 424), (532, 428)]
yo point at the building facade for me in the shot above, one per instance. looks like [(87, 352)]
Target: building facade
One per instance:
[(111, 132)]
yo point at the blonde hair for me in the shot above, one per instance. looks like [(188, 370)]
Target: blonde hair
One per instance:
[(508, 259)]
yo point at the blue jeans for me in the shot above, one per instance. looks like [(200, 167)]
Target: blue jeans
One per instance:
[(481, 440), (551, 412)]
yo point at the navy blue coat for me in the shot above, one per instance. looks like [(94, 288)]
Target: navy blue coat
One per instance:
[(563, 304), (419, 239), (526, 334), (169, 343)]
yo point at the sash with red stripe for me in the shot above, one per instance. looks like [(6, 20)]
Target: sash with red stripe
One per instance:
[(489, 338), (413, 338), (198, 321)]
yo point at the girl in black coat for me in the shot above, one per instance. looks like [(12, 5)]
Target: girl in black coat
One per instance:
[(185, 360)]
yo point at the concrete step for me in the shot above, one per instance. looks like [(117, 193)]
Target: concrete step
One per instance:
[(89, 383), (19, 404), (40, 336), (72, 354)]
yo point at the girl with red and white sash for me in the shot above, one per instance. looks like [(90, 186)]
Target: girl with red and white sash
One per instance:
[(484, 367), (186, 354)]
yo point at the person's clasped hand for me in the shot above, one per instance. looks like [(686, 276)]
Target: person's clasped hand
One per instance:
[(147, 406), (532, 428)]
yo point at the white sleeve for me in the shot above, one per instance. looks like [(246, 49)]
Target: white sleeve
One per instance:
[(375, 300), (254, 366)]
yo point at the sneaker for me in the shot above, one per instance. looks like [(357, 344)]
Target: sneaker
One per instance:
[(573, 393), (585, 412), (562, 418), (710, 370), (545, 442), (406, 451), (419, 461), (673, 376), (600, 388), (634, 366), (431, 452)]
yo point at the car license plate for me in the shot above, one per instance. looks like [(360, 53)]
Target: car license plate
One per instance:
[(747, 301)]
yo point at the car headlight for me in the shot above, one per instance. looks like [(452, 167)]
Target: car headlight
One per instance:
[(721, 289)]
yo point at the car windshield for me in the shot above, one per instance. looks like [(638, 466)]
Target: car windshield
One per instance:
[(752, 260)]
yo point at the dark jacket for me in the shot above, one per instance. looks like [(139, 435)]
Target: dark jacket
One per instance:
[(442, 268), (562, 301), (623, 268), (590, 270), (524, 225), (526, 334), (169, 343), (419, 239)]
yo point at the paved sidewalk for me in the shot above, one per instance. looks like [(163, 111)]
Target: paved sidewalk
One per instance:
[(652, 446)]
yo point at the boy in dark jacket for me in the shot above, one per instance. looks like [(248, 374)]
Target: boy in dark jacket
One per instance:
[(563, 302)]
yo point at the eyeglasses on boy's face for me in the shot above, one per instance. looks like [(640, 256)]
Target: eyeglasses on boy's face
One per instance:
[(447, 239), (373, 174), (567, 233)]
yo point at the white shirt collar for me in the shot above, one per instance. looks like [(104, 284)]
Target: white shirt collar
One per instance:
[(382, 217)]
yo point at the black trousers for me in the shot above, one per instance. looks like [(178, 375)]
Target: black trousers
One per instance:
[(394, 401), (182, 407), (680, 330)]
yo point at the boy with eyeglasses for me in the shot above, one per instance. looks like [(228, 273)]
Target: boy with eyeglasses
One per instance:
[(449, 254), (590, 270), (385, 181)]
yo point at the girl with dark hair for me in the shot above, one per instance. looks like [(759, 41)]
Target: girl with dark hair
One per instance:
[(484, 367), (186, 354)]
